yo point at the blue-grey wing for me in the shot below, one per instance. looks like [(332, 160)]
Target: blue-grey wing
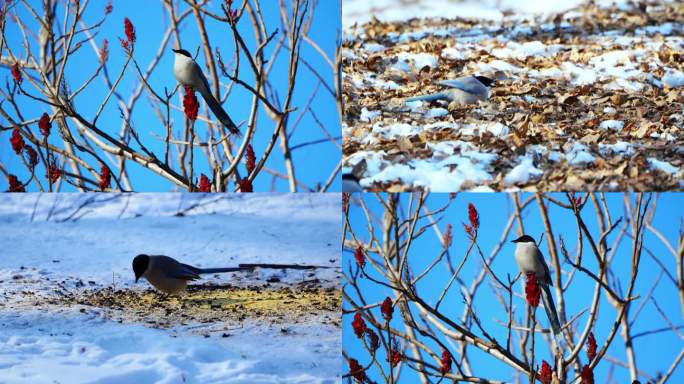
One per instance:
[(204, 78), (467, 84), (184, 271), (547, 273)]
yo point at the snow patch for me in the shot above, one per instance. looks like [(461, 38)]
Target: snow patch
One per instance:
[(523, 172), (367, 115), (436, 112), (615, 125), (579, 154), (673, 79), (407, 61), (662, 166)]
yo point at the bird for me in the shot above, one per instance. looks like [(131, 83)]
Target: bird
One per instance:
[(463, 90), (171, 276), (350, 183), (351, 179), (189, 74), (530, 259)]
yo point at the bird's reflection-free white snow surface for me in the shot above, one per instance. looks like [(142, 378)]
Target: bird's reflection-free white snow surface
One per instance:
[(95, 245)]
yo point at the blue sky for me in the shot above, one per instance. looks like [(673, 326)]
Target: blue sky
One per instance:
[(654, 353), (150, 22)]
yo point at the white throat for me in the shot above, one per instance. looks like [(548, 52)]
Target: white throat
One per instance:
[(526, 257), (185, 70)]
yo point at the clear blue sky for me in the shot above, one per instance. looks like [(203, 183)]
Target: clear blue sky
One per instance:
[(654, 353), (150, 22)]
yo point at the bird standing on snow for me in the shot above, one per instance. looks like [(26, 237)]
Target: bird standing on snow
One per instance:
[(189, 74), (530, 259), (171, 276), (351, 179), (463, 90), (350, 183)]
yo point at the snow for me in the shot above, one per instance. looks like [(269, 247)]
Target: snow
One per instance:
[(361, 11), (497, 65), (609, 110), (395, 130), (579, 76), (613, 59), (436, 112), (444, 172), (618, 147), (374, 47), (523, 172), (377, 83), (663, 29), (662, 166), (673, 79), (497, 129), (524, 50), (414, 106), (407, 61), (454, 54), (615, 125), (56, 244), (367, 115), (348, 54), (579, 154), (435, 176), (88, 348)]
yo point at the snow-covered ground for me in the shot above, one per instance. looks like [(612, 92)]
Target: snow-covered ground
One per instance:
[(50, 247), (586, 99), (361, 11)]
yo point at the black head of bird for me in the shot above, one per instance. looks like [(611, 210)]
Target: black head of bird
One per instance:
[(485, 80), (140, 264), (524, 239), (182, 52)]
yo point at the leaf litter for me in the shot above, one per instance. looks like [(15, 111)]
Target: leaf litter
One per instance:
[(588, 99)]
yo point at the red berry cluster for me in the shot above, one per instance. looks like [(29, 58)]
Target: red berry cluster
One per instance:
[(387, 309), (44, 125), (445, 363), (394, 357), (357, 371), (359, 257), (474, 219), (190, 104), (359, 325), (545, 373), (246, 185), (532, 290), (250, 159), (17, 141), (204, 184), (105, 178)]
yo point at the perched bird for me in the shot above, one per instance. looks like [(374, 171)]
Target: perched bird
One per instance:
[(530, 259), (171, 276), (189, 74), (463, 90)]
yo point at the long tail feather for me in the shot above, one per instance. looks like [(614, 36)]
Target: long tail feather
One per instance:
[(430, 97), (550, 309), (282, 266), (218, 111), (247, 267), (220, 270)]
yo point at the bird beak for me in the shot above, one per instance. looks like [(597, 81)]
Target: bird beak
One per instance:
[(175, 50)]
